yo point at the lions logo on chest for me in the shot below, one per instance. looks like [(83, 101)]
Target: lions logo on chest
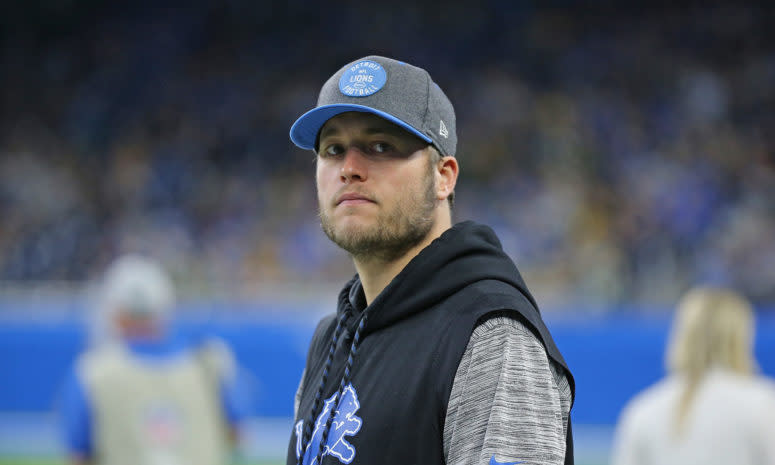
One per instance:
[(345, 424)]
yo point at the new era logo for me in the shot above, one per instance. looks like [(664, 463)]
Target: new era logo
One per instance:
[(443, 132)]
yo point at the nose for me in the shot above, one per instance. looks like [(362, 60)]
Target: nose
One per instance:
[(354, 165)]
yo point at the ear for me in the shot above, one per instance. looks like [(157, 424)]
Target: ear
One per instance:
[(446, 177)]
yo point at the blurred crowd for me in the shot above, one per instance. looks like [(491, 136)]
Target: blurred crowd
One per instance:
[(621, 155)]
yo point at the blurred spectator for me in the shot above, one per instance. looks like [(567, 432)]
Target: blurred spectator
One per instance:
[(712, 408), (144, 396), (622, 153)]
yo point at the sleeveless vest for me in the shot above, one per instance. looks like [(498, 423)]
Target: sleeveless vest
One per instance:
[(394, 408), (164, 412)]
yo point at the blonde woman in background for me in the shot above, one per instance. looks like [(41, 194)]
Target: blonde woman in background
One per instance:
[(711, 408)]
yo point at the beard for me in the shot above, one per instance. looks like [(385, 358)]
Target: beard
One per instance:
[(395, 232)]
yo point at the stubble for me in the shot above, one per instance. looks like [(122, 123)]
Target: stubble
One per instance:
[(395, 232)]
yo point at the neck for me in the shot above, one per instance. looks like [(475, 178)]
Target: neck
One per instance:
[(140, 330), (376, 273)]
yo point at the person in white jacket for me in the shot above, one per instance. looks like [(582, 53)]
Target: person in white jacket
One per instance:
[(147, 395), (712, 407)]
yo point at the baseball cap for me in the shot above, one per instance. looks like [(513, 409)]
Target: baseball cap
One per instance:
[(396, 91), (137, 285)]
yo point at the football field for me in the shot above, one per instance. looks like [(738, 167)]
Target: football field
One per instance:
[(53, 461), (32, 440)]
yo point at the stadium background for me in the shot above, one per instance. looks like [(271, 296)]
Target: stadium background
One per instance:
[(621, 154)]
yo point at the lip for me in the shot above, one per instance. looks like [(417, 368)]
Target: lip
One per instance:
[(352, 198)]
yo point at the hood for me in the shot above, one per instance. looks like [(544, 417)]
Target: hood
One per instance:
[(464, 254)]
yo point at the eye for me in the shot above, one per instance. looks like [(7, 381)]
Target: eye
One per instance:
[(381, 147), (332, 150)]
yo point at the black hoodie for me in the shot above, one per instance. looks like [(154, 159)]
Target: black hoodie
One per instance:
[(389, 367)]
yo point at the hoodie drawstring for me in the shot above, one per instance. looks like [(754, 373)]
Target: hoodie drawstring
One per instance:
[(342, 383), (319, 394)]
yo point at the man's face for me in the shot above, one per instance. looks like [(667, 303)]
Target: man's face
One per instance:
[(376, 186)]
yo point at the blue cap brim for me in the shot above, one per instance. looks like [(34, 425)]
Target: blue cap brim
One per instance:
[(304, 131)]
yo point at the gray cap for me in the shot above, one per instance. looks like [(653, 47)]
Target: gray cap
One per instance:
[(396, 91)]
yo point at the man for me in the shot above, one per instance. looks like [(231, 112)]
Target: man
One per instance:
[(148, 398), (437, 352), (711, 408)]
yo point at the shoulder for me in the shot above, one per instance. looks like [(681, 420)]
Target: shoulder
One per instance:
[(500, 329), (503, 326), (755, 390), (641, 422), (497, 306), (650, 401), (766, 385), (493, 309), (99, 361), (495, 332), (216, 355), (493, 291), (325, 323), (323, 329), (516, 347)]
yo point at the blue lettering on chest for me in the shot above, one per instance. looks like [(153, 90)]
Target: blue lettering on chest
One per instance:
[(345, 424)]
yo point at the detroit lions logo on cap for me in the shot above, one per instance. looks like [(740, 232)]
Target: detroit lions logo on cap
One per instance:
[(362, 79)]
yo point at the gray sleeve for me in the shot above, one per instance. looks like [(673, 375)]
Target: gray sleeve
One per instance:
[(508, 400)]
